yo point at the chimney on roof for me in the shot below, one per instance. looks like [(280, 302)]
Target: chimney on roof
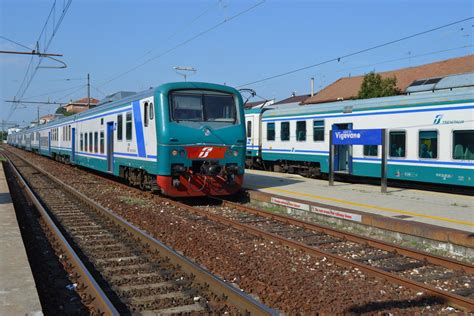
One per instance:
[(293, 93), (312, 86)]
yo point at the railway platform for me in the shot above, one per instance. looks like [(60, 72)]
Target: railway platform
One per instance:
[(18, 294), (433, 215)]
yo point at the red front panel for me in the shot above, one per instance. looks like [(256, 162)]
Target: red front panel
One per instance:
[(206, 152)]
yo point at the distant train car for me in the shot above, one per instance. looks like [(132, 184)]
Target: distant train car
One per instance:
[(430, 137), (184, 139)]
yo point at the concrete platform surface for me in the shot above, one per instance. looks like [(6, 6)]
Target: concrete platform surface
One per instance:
[(440, 209), (18, 294)]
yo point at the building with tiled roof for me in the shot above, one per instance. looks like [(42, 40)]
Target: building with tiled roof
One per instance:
[(293, 99), (80, 105), (347, 88)]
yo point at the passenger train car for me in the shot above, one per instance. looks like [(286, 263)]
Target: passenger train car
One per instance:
[(184, 139), (430, 137)]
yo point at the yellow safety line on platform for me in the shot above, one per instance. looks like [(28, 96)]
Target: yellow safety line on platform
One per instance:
[(381, 208)]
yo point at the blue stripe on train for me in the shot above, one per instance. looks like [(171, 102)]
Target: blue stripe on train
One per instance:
[(137, 118)]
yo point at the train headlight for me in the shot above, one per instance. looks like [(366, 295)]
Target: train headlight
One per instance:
[(235, 153), (174, 152)]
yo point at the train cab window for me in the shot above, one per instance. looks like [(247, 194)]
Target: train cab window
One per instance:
[(145, 114), (270, 131), (81, 142), (91, 145), (371, 150), (203, 107), (249, 128), (152, 111), (428, 144), (119, 127), (285, 131), (102, 144), (85, 142), (318, 131), (301, 131), (96, 142), (397, 144), (128, 126), (463, 145)]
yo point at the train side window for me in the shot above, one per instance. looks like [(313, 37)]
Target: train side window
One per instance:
[(91, 145), (318, 131), (397, 144), (81, 142), (463, 145), (428, 144), (102, 145), (152, 111), (285, 131), (85, 142), (270, 131), (96, 142), (145, 114), (69, 133), (301, 131), (371, 150), (128, 126), (119, 127), (249, 128)]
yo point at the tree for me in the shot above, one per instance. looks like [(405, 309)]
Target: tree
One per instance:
[(62, 110), (374, 86)]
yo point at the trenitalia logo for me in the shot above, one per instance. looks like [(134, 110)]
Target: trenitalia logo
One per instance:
[(437, 119), (205, 152), (346, 135)]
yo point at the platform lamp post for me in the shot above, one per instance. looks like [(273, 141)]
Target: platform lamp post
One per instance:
[(185, 71)]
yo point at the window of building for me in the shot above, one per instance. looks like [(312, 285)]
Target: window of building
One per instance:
[(102, 144), (270, 131), (119, 127), (463, 145), (285, 131), (96, 142), (318, 131), (152, 111), (397, 144), (249, 128), (371, 150), (145, 114), (81, 142), (85, 142), (428, 144), (91, 144), (301, 131), (128, 126)]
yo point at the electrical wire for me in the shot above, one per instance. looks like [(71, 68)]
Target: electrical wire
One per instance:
[(182, 43), (51, 92), (12, 41), (338, 59)]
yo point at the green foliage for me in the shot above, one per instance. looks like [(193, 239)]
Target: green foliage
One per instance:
[(374, 86), (62, 110)]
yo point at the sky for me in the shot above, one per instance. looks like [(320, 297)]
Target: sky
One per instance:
[(134, 45)]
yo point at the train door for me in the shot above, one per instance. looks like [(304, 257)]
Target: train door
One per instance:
[(73, 145), (110, 146), (343, 153), (49, 143)]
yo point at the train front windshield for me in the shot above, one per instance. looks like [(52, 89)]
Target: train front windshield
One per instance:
[(203, 107)]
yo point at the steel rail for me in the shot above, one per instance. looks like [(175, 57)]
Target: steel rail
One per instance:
[(412, 253), (95, 295), (246, 304), (451, 298)]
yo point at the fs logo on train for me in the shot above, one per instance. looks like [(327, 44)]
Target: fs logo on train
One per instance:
[(203, 152)]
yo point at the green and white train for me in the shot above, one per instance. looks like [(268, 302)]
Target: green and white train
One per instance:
[(430, 137)]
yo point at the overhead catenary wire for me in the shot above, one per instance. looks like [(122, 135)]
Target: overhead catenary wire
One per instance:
[(200, 34), (356, 52)]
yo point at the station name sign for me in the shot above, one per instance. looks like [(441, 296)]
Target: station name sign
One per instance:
[(357, 137)]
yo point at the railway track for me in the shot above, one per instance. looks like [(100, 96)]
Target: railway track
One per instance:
[(448, 280), (121, 269)]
